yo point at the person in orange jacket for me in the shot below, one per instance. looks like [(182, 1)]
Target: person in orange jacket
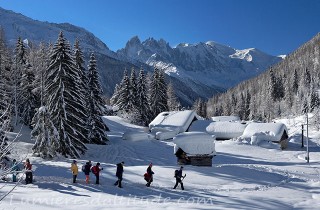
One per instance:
[(74, 170)]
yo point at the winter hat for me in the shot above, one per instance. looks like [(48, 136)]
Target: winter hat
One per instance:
[(14, 160), (122, 163), (98, 164), (74, 161)]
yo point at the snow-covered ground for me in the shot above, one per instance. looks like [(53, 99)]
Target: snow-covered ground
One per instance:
[(242, 176)]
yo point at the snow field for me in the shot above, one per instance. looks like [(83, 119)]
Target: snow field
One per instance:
[(242, 176)]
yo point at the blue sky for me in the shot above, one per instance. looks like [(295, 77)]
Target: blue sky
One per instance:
[(273, 26)]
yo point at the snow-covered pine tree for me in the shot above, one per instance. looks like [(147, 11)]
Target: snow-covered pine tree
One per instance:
[(203, 110), (115, 96), (197, 106), (295, 83), (39, 59), (19, 63), (142, 108), (83, 83), (5, 89), (123, 94), (45, 134), (247, 106), (158, 93), (28, 99), (173, 103), (132, 98), (4, 150), (64, 98), (97, 127)]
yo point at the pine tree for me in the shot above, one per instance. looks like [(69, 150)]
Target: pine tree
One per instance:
[(132, 97), (5, 87), (4, 150), (97, 127), (158, 93), (16, 74), (45, 134), (64, 99), (295, 84), (314, 100), (115, 96), (39, 60), (247, 106), (83, 85), (173, 104), (142, 108), (27, 97), (197, 106), (123, 94)]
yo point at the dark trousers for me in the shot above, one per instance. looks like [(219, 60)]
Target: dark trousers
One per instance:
[(149, 182), (97, 179), (74, 178), (178, 180), (28, 177), (118, 182)]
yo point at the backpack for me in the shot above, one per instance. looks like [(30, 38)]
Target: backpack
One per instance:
[(146, 177), (176, 173), (83, 168)]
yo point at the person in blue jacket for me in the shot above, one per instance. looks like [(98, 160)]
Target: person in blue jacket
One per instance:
[(178, 176), (14, 169), (119, 174)]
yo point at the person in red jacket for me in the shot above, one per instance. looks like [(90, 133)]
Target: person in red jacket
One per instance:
[(149, 177), (96, 171), (28, 170)]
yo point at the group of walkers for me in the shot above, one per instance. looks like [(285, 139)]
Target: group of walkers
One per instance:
[(148, 176), (14, 169), (87, 168)]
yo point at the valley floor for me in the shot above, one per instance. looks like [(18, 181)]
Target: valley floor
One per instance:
[(242, 176)]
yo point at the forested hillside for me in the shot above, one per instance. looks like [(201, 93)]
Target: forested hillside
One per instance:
[(291, 87)]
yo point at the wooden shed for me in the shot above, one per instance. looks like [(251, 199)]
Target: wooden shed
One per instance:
[(194, 148)]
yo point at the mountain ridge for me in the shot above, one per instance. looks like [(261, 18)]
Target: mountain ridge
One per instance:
[(196, 71)]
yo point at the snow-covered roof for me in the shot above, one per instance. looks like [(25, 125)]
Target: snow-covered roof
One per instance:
[(270, 131), (175, 120), (195, 143), (226, 130), (225, 118)]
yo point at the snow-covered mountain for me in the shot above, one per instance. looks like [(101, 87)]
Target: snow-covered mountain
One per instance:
[(196, 70), (17, 25), (211, 64)]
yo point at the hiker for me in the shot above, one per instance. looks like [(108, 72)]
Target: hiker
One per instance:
[(28, 171), (96, 171), (14, 169), (86, 169), (119, 174), (74, 170), (149, 175), (179, 178)]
